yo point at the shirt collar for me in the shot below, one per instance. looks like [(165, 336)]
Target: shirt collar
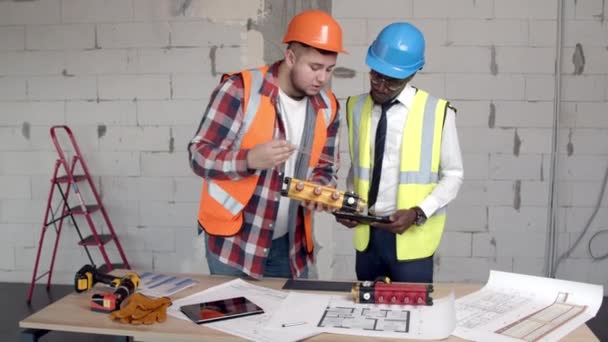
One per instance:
[(270, 88), (406, 97)]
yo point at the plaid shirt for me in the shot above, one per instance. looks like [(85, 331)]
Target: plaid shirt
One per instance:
[(212, 157)]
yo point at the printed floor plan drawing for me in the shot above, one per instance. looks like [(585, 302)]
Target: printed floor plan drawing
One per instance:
[(542, 322), (531, 328), (487, 307), (519, 307), (339, 314), (366, 318)]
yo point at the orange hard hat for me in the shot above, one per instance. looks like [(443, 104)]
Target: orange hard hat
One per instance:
[(317, 29)]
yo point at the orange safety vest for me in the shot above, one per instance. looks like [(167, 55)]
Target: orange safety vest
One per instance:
[(222, 201)]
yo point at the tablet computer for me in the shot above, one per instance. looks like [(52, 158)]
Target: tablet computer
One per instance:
[(220, 310), (361, 218)]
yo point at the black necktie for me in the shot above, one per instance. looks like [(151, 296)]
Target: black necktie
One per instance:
[(378, 154)]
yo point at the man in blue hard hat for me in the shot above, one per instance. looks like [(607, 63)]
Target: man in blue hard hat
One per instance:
[(406, 161)]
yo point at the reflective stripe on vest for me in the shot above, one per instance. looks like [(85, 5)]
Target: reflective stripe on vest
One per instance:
[(328, 112), (252, 105), (255, 77), (419, 168)]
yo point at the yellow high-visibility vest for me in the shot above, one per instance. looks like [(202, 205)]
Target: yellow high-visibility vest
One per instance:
[(418, 170)]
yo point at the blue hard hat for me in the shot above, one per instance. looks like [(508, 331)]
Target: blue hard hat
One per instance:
[(398, 51)]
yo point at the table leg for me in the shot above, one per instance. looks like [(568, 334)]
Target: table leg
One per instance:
[(31, 335)]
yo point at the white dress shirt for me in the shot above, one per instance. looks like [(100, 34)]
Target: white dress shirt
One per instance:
[(450, 165)]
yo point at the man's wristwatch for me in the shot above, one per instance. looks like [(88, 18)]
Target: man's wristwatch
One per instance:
[(420, 216)]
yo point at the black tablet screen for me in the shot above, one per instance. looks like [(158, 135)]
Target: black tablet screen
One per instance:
[(220, 310)]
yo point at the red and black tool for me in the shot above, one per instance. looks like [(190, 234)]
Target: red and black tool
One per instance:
[(385, 292), (125, 286)]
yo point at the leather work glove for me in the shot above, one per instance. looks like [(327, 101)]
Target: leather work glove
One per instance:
[(157, 315), (142, 310)]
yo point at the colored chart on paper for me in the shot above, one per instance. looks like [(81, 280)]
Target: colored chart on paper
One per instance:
[(159, 285)]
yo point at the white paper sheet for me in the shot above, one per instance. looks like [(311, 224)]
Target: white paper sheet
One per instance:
[(520, 307), (250, 327), (340, 315), (159, 285)]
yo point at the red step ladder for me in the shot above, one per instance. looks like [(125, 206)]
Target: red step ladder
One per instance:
[(70, 182)]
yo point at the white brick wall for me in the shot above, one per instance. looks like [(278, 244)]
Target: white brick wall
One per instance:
[(111, 113), (91, 11), (170, 112), (457, 59), (174, 60), (129, 35), (32, 62), (485, 86), (524, 114), (190, 34), (495, 139), (539, 87), (131, 87), (525, 60), (59, 37), (193, 86), (452, 9), (467, 218), (133, 77), (39, 13), (538, 9), (62, 88), (12, 38), (15, 187), (589, 114), (507, 166), (12, 88), (377, 9), (589, 32), (584, 88), (435, 30), (99, 61), (499, 32), (542, 33)]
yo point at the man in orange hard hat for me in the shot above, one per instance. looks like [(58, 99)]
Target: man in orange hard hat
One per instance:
[(262, 125)]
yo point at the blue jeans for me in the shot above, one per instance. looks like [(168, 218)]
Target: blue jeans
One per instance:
[(380, 259), (277, 262)]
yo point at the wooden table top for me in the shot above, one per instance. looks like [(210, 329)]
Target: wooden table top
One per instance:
[(72, 314)]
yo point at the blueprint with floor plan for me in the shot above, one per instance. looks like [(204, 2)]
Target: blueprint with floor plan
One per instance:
[(516, 307), (338, 314)]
